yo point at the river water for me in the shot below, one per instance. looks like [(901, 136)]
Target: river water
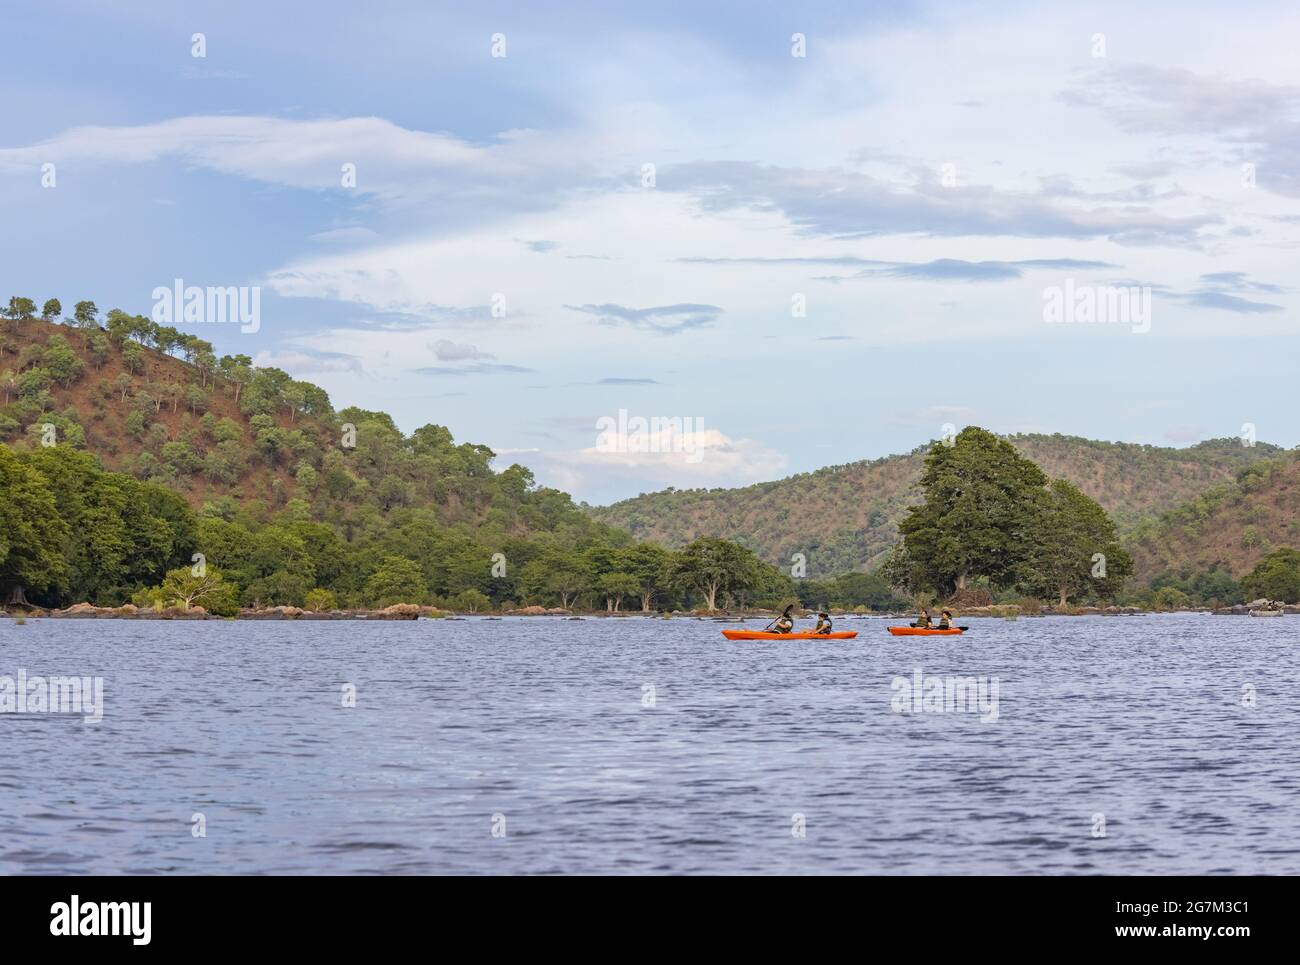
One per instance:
[(1119, 745)]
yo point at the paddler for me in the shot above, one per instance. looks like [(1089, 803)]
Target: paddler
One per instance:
[(945, 620), (823, 623), (923, 621), (785, 622)]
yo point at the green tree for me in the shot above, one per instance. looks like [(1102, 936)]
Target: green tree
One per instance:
[(86, 315), (99, 348), (32, 533), (321, 600), (613, 586), (471, 601), (557, 572), (1275, 577), (63, 364), (709, 565), (396, 580), (182, 587), (1073, 547), (237, 370), (648, 564), (977, 515), (19, 310), (51, 310)]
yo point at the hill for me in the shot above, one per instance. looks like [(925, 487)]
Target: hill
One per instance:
[(225, 433), (151, 448), (1229, 528), (846, 517)]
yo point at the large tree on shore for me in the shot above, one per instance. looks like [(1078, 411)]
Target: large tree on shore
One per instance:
[(977, 516), (1073, 549), (709, 565), (649, 565)]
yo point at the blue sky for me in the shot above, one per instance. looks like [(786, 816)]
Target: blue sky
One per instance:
[(918, 181)]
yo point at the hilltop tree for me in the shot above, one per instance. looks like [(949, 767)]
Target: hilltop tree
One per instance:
[(86, 315), (977, 516), (19, 310), (51, 310)]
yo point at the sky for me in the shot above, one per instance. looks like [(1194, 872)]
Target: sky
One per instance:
[(813, 233)]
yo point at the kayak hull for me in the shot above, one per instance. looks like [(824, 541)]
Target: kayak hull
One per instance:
[(920, 632), (803, 635)]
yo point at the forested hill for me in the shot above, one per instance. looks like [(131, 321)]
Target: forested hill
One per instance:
[(285, 494), (1229, 528), (157, 404), (845, 517)]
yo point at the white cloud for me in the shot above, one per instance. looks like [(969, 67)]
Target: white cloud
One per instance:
[(704, 458), (448, 351)]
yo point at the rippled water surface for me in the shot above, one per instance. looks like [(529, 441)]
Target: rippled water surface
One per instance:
[(541, 722)]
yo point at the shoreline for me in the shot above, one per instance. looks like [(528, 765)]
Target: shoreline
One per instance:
[(410, 611)]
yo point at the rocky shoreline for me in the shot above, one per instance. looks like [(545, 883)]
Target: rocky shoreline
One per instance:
[(410, 611)]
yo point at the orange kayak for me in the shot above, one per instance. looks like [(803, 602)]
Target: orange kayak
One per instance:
[(919, 632), (802, 635)]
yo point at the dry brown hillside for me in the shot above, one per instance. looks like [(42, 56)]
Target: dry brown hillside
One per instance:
[(845, 517), (102, 399), (1231, 528)]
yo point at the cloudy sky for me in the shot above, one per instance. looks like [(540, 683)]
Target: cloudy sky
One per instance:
[(819, 233)]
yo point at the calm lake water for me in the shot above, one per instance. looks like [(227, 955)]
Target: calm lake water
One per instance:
[(538, 727)]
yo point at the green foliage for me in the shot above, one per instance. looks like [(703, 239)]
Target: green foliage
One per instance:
[(33, 534), (19, 310), (978, 513), (63, 364), (1073, 549), (1275, 577), (1170, 598), (86, 315), (395, 580), (1214, 587), (184, 588), (871, 591), (709, 565), (471, 601), (321, 600)]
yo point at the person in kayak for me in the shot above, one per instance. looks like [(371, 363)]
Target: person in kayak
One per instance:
[(945, 620), (784, 623), (823, 623), (923, 621)]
